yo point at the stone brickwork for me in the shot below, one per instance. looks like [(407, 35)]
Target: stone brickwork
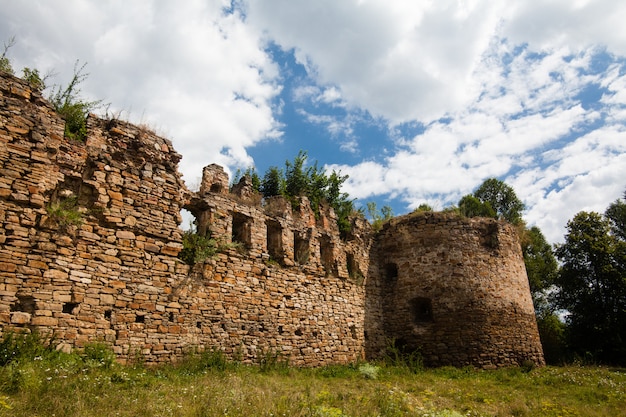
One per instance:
[(89, 250), (454, 288)]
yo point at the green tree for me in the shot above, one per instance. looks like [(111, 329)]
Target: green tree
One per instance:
[(616, 213), (471, 206), (296, 179), (378, 217), (502, 199), (313, 182), (541, 265), (273, 182), (249, 172), (592, 286)]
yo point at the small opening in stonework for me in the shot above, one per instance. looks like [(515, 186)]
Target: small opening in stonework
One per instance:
[(353, 331), (216, 188), (421, 310), (326, 254), (314, 334), (69, 307), (140, 318), (301, 251), (171, 316), (199, 324), (274, 240), (243, 327), (391, 273), (24, 303), (107, 314), (242, 229), (365, 336), (223, 327), (299, 332), (280, 329)]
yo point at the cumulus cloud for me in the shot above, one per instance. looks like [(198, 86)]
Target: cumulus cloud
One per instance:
[(530, 92), (192, 68)]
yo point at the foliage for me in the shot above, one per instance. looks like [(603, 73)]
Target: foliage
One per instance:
[(65, 212), (541, 265), (400, 357), (313, 182), (471, 206), (273, 182), (197, 248), (33, 78), (23, 346), (552, 334), (5, 63), (98, 355), (250, 173), (423, 207), (68, 103), (502, 199), (378, 218), (369, 371), (205, 384), (592, 284)]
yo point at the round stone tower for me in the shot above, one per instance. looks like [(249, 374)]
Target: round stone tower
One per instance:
[(453, 288)]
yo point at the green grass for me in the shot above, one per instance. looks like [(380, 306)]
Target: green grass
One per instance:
[(90, 384)]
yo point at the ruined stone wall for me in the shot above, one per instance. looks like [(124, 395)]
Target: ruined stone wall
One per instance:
[(454, 288), (89, 241), (90, 238)]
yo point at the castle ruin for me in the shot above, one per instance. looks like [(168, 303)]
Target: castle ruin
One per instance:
[(283, 281)]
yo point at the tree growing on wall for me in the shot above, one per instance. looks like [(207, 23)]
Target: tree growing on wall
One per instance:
[(298, 179)]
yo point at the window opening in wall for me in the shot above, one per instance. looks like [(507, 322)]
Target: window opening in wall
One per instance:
[(69, 308), (326, 255), (421, 310), (107, 314), (242, 229), (299, 332), (140, 318), (391, 273), (301, 251), (354, 271), (274, 240), (171, 316), (353, 332), (24, 303), (199, 324)]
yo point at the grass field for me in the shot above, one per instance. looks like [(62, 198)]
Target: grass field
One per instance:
[(47, 383)]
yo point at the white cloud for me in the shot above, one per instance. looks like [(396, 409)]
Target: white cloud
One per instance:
[(496, 85), (201, 74), (399, 60)]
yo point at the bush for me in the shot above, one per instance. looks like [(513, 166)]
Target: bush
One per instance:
[(65, 212), (99, 355), (17, 346), (197, 248), (67, 103)]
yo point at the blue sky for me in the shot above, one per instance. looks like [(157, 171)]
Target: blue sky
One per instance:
[(417, 101)]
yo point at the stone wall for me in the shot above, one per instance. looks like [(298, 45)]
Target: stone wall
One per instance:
[(114, 275), (454, 288), (89, 250)]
